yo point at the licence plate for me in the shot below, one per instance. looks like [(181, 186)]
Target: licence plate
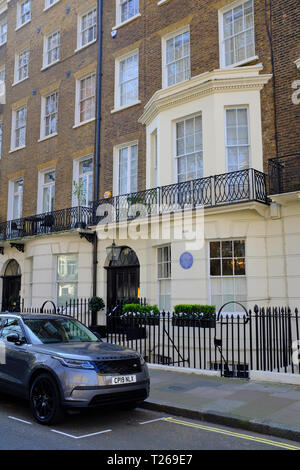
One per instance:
[(123, 379)]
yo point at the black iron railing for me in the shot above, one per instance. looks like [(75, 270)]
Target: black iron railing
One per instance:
[(47, 223), (228, 188), (284, 174), (266, 339)]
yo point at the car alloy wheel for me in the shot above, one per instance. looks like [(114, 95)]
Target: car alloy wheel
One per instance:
[(45, 400)]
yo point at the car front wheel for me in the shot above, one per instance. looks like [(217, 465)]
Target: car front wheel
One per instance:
[(45, 400)]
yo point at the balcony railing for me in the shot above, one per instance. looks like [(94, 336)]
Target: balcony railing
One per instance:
[(284, 174), (229, 188), (218, 190), (47, 223)]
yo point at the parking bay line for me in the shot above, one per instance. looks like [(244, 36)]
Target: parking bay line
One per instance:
[(81, 437), (153, 420), (18, 419), (261, 440)]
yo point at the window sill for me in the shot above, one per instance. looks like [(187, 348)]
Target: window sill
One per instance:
[(242, 62), (45, 67), (162, 2), (20, 81), (297, 62), (116, 110), (47, 137), (166, 87), (16, 149), (85, 46), (21, 25), (50, 6), (83, 123), (2, 43), (124, 23)]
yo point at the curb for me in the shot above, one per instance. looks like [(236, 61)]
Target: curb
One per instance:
[(225, 420)]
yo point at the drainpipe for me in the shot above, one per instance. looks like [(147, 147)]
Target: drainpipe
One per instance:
[(268, 21), (97, 140)]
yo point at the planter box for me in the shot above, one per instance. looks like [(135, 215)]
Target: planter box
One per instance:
[(195, 322), (131, 321)]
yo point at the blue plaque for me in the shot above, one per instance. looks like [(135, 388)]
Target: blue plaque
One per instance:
[(186, 260)]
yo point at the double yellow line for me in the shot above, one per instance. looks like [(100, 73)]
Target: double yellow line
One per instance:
[(261, 440)]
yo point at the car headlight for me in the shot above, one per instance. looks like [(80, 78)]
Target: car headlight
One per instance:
[(77, 364)]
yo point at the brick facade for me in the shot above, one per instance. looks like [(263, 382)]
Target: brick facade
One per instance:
[(69, 142), (145, 33)]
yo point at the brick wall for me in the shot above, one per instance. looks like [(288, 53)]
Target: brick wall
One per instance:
[(69, 142), (286, 45)]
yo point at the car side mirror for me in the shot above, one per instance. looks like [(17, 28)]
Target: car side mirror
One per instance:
[(14, 338)]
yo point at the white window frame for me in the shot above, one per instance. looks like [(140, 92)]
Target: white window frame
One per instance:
[(117, 151), (19, 53), (176, 158), (66, 281), (2, 23), (237, 310), (11, 196), (76, 174), (2, 84), (119, 21), (19, 17), (43, 134), (173, 34), (41, 186), (78, 122), (118, 62), (48, 4), (221, 13), (246, 107), (80, 16), (14, 129), (161, 278), (46, 50)]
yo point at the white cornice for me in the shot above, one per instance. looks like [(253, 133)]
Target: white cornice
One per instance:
[(217, 81), (297, 62)]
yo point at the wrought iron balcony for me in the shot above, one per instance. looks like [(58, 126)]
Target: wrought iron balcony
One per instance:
[(229, 188), (218, 190), (47, 223), (284, 174)]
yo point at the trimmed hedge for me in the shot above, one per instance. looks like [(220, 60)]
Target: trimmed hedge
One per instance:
[(141, 310), (207, 312)]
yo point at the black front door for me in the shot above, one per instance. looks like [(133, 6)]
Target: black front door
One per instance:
[(11, 293), (122, 285)]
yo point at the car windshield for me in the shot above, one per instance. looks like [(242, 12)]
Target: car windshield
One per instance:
[(58, 330)]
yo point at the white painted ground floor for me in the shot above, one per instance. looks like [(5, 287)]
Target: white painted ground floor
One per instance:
[(248, 252)]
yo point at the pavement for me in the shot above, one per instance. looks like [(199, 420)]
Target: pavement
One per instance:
[(267, 408)]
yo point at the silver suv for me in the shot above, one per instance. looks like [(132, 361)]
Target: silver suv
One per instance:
[(57, 362)]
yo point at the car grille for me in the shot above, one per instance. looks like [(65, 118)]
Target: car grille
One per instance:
[(120, 397), (118, 367)]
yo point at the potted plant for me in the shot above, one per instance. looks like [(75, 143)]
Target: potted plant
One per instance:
[(203, 316), (132, 200), (96, 304)]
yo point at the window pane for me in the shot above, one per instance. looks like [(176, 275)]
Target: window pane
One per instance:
[(238, 33), (178, 58)]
